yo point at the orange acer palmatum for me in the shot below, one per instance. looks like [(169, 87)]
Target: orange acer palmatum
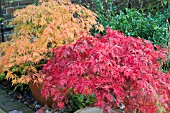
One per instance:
[(39, 29)]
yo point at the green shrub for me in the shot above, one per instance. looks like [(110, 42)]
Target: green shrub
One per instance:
[(134, 22), (79, 101)]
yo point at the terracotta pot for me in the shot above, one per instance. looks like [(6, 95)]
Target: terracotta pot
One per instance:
[(36, 92)]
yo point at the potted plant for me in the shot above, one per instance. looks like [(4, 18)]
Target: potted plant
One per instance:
[(122, 72), (40, 29)]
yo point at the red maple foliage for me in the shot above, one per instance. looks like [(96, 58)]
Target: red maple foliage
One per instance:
[(119, 70)]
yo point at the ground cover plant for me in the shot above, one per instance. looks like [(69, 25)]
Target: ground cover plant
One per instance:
[(121, 71), (39, 29)]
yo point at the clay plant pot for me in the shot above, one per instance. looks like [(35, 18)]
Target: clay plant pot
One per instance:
[(36, 92)]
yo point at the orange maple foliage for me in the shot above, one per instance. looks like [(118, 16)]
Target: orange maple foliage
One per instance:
[(39, 29)]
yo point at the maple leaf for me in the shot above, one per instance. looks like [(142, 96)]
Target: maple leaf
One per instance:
[(116, 70)]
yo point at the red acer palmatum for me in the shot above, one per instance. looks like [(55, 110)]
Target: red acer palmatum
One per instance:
[(119, 70)]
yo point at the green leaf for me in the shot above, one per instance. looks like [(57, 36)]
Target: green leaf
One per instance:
[(2, 76), (1, 18), (63, 42), (35, 3), (10, 1)]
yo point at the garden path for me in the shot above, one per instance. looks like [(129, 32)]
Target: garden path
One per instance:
[(8, 105)]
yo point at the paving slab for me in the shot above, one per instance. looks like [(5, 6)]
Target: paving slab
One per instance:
[(2, 111), (7, 104), (90, 110)]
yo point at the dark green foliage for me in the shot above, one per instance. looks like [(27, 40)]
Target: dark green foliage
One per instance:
[(136, 24), (1, 18), (21, 88), (2, 77), (80, 101), (166, 66), (3, 1)]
